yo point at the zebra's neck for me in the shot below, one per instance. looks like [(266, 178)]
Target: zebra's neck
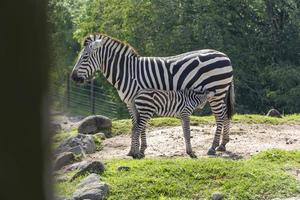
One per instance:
[(118, 66)]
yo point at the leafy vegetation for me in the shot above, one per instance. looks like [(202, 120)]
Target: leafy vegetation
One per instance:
[(261, 37), (261, 177)]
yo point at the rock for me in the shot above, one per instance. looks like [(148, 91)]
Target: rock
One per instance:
[(88, 180), (86, 142), (55, 127), (77, 150), (76, 166), (123, 168), (217, 196), (94, 124), (90, 167), (63, 159), (274, 113), (91, 188)]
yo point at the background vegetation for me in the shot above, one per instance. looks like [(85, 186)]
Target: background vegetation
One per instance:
[(262, 38)]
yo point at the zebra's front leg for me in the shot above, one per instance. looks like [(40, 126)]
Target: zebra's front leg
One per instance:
[(225, 136), (185, 122), (216, 141), (135, 142)]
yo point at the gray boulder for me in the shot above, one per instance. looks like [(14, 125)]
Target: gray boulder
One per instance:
[(94, 124), (76, 143), (63, 159), (55, 127), (89, 167), (274, 113), (217, 196), (91, 188)]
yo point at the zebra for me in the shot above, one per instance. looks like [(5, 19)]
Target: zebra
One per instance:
[(129, 73), (180, 104)]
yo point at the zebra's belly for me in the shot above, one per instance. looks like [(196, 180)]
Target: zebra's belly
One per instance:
[(167, 113)]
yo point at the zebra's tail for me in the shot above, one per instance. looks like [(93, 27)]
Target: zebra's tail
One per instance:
[(230, 101)]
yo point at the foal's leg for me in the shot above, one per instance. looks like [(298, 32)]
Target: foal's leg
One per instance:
[(225, 137), (185, 122), (144, 118), (219, 109)]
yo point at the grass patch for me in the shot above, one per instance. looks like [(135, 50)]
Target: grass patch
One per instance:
[(124, 126), (261, 177), (67, 188)]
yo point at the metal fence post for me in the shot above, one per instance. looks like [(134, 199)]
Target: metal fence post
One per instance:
[(92, 93), (68, 91)]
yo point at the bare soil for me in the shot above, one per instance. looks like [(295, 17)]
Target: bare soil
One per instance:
[(245, 140)]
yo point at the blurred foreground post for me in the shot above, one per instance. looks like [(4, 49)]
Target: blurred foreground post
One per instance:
[(25, 146)]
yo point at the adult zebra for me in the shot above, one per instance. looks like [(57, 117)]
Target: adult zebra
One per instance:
[(129, 72)]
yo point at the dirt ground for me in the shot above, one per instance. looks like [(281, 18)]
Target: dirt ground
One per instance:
[(245, 140)]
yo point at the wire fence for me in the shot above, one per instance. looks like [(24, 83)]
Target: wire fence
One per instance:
[(89, 98)]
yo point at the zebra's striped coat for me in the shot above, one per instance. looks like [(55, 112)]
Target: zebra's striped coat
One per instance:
[(129, 73), (179, 104)]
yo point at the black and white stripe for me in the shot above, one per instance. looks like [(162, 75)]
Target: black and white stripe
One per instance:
[(179, 104), (129, 73)]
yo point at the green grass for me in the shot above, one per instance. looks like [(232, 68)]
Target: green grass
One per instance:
[(124, 126), (261, 177)]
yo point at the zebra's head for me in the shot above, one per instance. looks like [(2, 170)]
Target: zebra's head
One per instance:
[(89, 59)]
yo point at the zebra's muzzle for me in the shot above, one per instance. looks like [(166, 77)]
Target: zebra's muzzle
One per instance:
[(76, 78)]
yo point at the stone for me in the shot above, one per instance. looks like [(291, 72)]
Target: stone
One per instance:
[(63, 159), (123, 168), (274, 113), (86, 142), (77, 150), (76, 166), (93, 124), (90, 167), (217, 196), (91, 188), (55, 127)]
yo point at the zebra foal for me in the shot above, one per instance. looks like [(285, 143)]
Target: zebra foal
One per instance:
[(151, 102)]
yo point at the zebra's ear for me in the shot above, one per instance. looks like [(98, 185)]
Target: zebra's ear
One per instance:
[(96, 44)]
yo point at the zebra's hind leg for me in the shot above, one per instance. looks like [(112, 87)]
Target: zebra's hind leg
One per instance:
[(185, 122), (225, 137)]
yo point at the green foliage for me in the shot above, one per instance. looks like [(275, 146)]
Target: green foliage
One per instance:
[(184, 178), (261, 37)]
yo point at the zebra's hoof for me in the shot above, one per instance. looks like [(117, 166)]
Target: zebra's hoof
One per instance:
[(221, 148), (211, 152), (138, 156), (130, 153), (192, 155)]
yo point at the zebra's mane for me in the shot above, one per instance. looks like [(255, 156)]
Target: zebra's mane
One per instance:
[(94, 36)]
